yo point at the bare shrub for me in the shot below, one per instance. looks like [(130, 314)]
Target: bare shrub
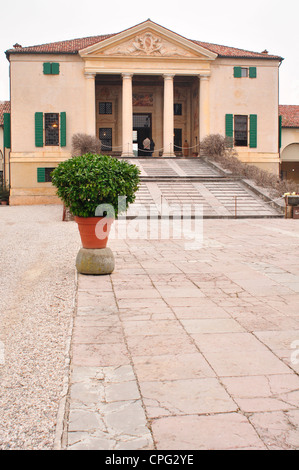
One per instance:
[(214, 145), (84, 143), (219, 149)]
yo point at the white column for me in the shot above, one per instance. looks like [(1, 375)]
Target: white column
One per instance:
[(168, 119), (127, 115), (204, 106), (90, 104)]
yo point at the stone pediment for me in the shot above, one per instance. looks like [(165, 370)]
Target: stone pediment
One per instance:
[(148, 44), (147, 40)]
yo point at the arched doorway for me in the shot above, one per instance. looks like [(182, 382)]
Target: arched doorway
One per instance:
[(290, 162)]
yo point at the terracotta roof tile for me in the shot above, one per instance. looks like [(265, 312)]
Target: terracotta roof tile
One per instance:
[(290, 115), (226, 51), (73, 46), (4, 108)]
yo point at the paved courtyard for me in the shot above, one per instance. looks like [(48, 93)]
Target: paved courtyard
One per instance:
[(190, 348), (191, 343)]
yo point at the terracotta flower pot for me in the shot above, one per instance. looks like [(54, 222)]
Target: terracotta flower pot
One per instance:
[(94, 231)]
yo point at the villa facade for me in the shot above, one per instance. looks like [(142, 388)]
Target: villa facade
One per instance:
[(144, 81)]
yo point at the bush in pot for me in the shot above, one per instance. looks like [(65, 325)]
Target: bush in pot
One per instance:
[(88, 181)]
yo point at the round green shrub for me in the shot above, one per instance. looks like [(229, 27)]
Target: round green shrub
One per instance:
[(85, 182)]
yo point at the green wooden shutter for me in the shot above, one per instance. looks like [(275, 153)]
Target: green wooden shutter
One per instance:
[(6, 129), (237, 72), (47, 68), (55, 68), (229, 126), (252, 72), (63, 129), (39, 129), (41, 175), (280, 130), (253, 131)]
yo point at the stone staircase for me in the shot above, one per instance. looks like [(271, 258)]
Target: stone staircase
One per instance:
[(196, 187)]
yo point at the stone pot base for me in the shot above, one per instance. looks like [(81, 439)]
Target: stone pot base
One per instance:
[(95, 261)]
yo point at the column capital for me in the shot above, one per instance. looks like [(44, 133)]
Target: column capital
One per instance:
[(168, 76), (89, 75), (205, 76), (127, 74)]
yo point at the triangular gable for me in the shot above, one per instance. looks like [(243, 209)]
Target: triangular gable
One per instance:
[(147, 39)]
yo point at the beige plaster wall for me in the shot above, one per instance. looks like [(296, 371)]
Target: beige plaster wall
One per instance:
[(245, 96), (32, 91), (24, 186)]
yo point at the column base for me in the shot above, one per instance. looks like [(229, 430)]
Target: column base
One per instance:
[(169, 155), (128, 155)]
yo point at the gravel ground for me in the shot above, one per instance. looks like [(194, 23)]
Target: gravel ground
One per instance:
[(37, 292)]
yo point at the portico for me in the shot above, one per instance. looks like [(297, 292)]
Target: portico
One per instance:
[(145, 61), (177, 106)]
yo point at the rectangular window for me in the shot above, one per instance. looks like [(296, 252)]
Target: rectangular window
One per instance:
[(44, 175), (52, 129), (178, 109), (241, 72), (105, 136), (51, 68), (105, 108), (241, 131)]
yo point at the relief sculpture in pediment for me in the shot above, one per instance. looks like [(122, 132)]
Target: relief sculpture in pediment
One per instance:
[(148, 44)]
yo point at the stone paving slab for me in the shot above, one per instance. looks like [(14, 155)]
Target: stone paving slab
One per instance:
[(190, 349)]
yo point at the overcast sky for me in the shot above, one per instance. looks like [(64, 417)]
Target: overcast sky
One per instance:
[(255, 25)]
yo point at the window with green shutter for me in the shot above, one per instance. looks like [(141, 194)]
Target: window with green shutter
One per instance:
[(50, 129), (51, 68), (44, 175), (6, 130), (243, 72), (236, 128), (39, 129), (253, 131)]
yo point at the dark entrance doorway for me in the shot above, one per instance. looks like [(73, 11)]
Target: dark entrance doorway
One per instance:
[(178, 140), (142, 127)]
